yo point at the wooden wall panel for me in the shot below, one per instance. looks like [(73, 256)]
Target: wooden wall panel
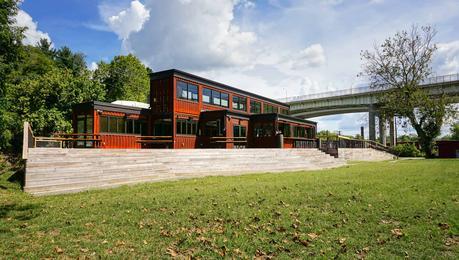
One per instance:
[(185, 142), (112, 141)]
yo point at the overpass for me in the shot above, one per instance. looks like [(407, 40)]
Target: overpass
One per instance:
[(363, 99)]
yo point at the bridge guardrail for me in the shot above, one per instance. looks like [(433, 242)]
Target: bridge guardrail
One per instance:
[(366, 89)]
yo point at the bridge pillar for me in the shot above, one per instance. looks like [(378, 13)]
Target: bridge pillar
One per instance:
[(382, 130), (372, 125), (392, 131)]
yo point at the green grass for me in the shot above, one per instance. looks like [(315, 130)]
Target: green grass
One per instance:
[(376, 210)]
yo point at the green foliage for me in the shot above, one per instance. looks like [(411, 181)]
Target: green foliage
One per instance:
[(407, 138), (454, 131), (407, 150), (40, 84), (125, 78), (326, 134), (384, 210), (46, 100)]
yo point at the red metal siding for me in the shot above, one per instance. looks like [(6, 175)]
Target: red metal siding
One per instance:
[(119, 141)]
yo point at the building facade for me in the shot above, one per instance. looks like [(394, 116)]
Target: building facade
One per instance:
[(188, 111)]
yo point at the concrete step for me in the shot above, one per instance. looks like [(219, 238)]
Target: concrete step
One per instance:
[(54, 171)]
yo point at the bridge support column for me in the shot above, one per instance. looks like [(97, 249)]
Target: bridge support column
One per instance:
[(392, 132), (372, 125), (382, 130)]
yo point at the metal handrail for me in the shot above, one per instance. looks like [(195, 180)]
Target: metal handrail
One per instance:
[(368, 89)]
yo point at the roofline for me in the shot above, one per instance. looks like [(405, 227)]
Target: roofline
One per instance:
[(285, 117), (110, 107), (176, 72)]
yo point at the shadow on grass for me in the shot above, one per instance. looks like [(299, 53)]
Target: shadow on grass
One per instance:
[(19, 212), (17, 177)]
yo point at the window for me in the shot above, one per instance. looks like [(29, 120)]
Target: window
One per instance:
[(285, 129), (239, 131), (213, 128), (215, 97), (283, 111), (206, 95), (187, 91), (187, 127), (263, 130), (299, 131), (122, 125), (162, 127), (267, 109), (255, 107), (239, 103), (224, 100)]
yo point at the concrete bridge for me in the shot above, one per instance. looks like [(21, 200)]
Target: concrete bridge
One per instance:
[(363, 99)]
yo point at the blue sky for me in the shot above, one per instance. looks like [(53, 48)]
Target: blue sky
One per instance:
[(271, 47)]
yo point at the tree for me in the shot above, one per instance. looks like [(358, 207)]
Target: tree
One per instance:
[(399, 65), (125, 78), (46, 100), (454, 131), (10, 50), (75, 62)]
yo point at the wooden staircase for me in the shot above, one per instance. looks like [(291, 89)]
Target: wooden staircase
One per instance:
[(55, 171)]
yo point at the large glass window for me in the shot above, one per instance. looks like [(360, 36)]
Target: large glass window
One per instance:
[(213, 128), (187, 91), (215, 97), (121, 125), (285, 129), (224, 99), (267, 108), (162, 127), (239, 103), (263, 130), (283, 111), (255, 107), (187, 127), (206, 95), (239, 131), (299, 131)]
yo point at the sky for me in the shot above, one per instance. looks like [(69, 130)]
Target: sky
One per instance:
[(275, 48)]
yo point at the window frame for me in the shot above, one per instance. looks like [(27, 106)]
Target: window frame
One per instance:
[(252, 102), (185, 87)]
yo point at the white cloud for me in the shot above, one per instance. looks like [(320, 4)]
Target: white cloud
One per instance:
[(192, 34), (312, 56), (32, 34), (447, 58), (93, 66), (128, 20)]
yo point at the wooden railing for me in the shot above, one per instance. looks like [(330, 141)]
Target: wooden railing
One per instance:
[(224, 140), (76, 140), (332, 145), (28, 140), (154, 139)]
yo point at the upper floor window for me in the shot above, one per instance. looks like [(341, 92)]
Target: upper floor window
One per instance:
[(255, 107), (215, 97), (187, 91), (283, 111), (239, 103), (267, 108)]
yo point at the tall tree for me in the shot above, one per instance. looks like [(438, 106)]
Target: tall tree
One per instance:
[(399, 65), (10, 50), (125, 78), (67, 59)]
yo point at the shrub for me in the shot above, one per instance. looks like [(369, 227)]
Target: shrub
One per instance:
[(407, 150)]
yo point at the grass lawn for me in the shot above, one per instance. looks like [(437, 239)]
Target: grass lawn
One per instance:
[(366, 210)]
